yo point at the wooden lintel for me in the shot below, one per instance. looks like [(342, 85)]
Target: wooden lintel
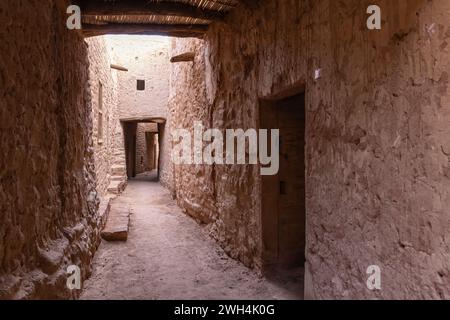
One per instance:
[(145, 7), (181, 31), (117, 67), (184, 57)]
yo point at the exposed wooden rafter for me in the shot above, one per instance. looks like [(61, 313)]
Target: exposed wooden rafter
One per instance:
[(170, 30), (144, 7), (117, 67), (184, 57)]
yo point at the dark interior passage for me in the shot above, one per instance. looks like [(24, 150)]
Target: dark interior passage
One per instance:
[(141, 147)]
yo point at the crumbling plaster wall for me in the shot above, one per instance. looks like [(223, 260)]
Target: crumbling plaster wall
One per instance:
[(48, 200), (101, 73), (377, 151)]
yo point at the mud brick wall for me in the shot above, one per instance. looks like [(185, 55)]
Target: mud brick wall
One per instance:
[(48, 201), (377, 137)]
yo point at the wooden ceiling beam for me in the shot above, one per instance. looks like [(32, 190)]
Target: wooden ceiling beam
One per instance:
[(144, 7), (171, 30), (184, 57), (117, 67)]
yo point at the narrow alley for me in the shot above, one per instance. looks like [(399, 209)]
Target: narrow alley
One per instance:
[(170, 256), (225, 149)]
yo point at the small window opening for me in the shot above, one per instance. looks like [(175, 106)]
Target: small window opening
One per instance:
[(141, 85)]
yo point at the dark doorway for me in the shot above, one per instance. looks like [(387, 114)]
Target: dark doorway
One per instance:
[(129, 131), (283, 195), (141, 147)]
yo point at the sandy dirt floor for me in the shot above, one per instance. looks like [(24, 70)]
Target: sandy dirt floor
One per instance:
[(169, 256)]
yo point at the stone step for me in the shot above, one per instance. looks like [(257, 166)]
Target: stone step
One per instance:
[(118, 178), (117, 226), (118, 170), (119, 162), (116, 187)]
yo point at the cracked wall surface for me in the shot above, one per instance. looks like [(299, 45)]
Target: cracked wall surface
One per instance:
[(376, 137)]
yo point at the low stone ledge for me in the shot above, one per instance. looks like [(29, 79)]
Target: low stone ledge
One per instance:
[(117, 226)]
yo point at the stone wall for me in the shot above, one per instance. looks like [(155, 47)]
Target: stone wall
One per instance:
[(193, 185), (142, 146), (377, 186), (165, 167), (48, 200), (100, 74), (152, 150)]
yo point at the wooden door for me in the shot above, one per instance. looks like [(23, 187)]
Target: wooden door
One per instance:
[(283, 195)]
